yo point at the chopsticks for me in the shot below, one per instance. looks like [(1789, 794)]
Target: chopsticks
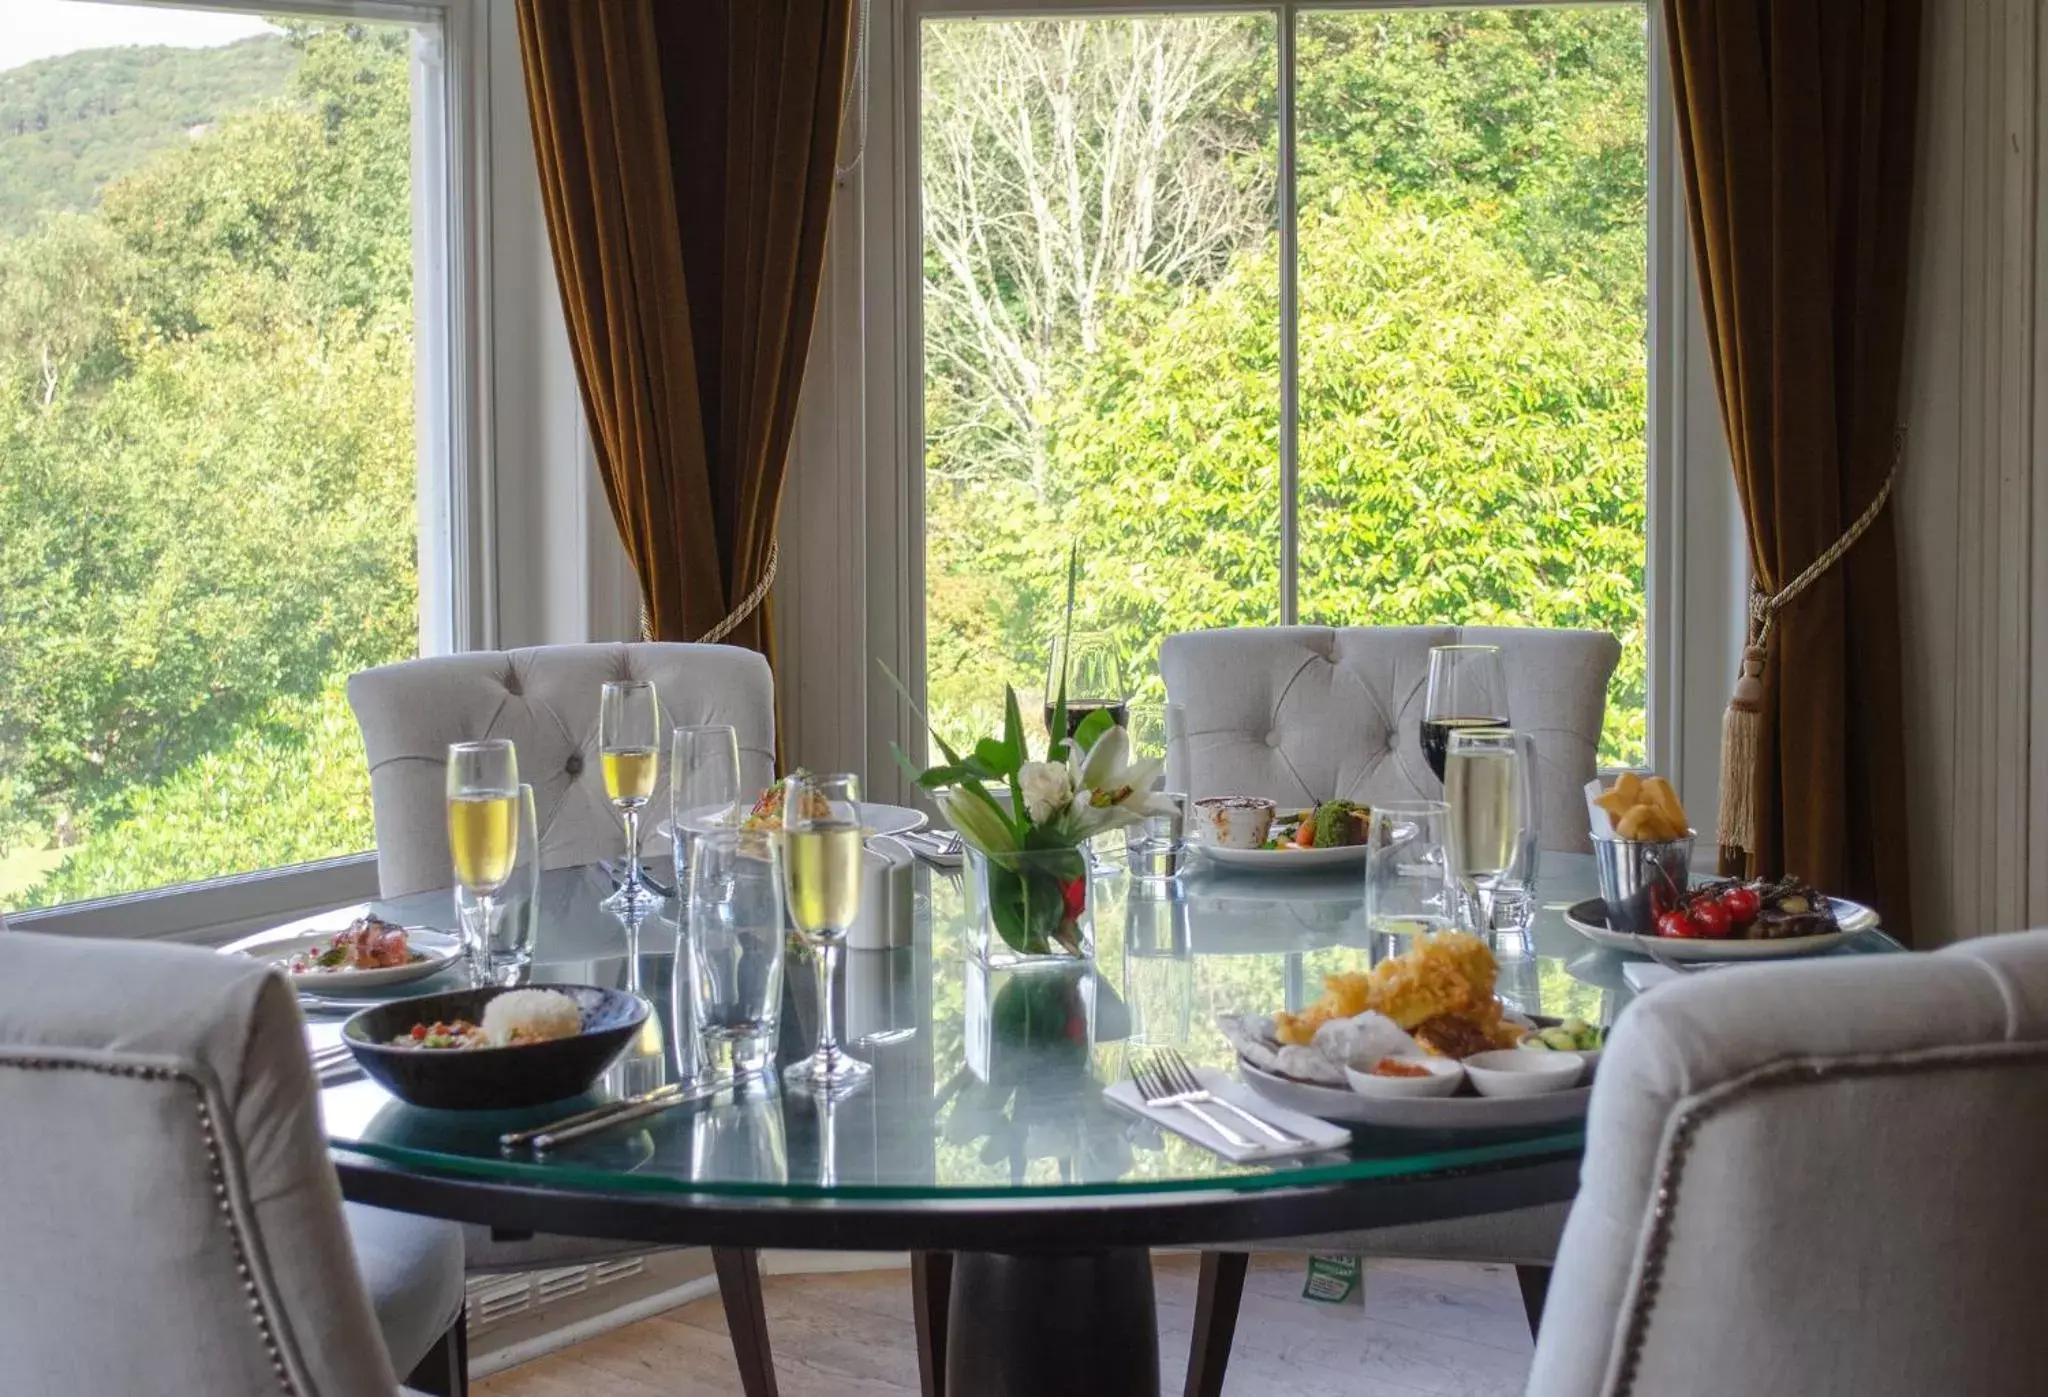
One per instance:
[(542, 1138)]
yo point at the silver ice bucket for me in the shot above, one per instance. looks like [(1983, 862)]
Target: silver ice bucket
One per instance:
[(1640, 880)]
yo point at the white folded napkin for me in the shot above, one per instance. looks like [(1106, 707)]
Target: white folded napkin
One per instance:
[(1315, 1136), (1647, 974)]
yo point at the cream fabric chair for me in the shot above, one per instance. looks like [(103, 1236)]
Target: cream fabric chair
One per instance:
[(545, 699), (1824, 1179), (172, 1222), (1307, 713)]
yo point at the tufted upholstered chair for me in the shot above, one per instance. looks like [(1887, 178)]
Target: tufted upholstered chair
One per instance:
[(1824, 1178), (1307, 713), (545, 699), (172, 1219)]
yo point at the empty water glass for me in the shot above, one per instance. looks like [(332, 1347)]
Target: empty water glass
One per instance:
[(703, 785), (734, 928), (1409, 890), (1156, 850)]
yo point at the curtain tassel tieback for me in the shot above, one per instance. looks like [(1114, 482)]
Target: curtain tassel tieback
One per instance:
[(1742, 724), (739, 613)]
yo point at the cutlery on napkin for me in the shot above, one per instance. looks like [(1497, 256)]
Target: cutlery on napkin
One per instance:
[(1312, 1136)]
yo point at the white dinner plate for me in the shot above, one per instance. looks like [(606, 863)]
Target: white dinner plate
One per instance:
[(879, 819), (1287, 860), (1297, 860), (1418, 1112), (437, 950), (1589, 919)]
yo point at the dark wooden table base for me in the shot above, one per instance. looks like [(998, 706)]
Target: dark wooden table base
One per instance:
[(1081, 1325)]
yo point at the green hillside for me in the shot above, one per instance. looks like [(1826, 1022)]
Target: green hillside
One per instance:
[(71, 124)]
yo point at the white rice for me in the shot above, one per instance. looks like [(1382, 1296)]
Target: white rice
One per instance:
[(531, 1016)]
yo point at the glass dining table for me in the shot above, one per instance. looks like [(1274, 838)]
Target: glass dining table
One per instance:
[(985, 1132)]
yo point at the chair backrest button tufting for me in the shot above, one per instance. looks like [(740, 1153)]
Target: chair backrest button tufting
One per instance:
[(574, 766)]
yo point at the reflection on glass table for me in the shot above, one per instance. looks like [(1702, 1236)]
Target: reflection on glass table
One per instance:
[(984, 1083)]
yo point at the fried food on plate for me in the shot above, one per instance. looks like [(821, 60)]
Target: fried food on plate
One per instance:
[(1448, 973)]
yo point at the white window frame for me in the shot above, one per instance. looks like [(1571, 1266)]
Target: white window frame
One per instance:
[(503, 455), (864, 600)]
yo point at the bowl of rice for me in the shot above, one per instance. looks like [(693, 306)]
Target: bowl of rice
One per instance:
[(494, 1048)]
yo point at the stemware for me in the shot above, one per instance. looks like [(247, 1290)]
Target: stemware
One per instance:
[(511, 937), (1467, 689), (1094, 676), (483, 837), (822, 867), (628, 723), (1408, 886), (734, 945), (703, 787), (1490, 786)]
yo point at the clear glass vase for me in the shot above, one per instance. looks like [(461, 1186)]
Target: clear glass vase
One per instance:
[(1033, 908)]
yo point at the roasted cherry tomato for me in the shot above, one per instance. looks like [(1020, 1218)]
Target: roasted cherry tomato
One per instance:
[(1742, 905), (1709, 921), (1675, 923)]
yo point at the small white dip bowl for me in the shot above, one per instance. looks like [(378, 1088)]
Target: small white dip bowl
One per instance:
[(1520, 1072), (1445, 1076)]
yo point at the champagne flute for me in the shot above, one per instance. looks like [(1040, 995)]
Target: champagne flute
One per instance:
[(1094, 677), (483, 836), (1489, 784), (1467, 689), (822, 841), (628, 723)]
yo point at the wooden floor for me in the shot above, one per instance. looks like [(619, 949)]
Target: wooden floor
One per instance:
[(1425, 1328)]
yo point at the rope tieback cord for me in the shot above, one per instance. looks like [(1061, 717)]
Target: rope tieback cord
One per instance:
[(748, 604), (1741, 726)]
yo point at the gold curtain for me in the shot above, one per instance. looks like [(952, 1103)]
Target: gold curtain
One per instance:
[(1796, 123), (686, 155)]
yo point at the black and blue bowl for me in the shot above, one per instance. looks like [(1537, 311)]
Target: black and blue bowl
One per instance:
[(492, 1079)]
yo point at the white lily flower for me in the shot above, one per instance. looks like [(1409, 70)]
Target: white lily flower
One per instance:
[(976, 823), (1111, 790)]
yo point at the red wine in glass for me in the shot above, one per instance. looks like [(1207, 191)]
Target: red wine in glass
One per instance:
[(1467, 689), (1436, 737), (1119, 711)]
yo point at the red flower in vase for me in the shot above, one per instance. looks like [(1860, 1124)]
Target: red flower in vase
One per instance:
[(1075, 895)]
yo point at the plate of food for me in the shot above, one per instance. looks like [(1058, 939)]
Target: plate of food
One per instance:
[(1734, 920), (766, 813), (367, 953), (1253, 833), (1433, 1002), (494, 1048)]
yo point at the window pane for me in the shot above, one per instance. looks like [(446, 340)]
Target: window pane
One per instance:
[(1474, 313), (207, 497), (1101, 343)]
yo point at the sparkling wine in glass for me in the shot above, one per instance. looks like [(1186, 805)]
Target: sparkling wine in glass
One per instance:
[(1489, 785), (629, 746), (1467, 689), (822, 844), (1094, 677), (483, 836)]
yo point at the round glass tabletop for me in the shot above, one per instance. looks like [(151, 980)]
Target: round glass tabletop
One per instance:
[(987, 1084)]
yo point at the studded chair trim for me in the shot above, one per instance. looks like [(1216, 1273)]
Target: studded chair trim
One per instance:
[(1693, 1113), (230, 1191)]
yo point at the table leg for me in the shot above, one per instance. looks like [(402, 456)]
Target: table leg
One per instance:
[(931, 1291), (1216, 1300), (1079, 1324), (739, 1286)]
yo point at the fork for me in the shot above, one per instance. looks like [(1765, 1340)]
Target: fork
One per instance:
[(1182, 1078), (1157, 1092)]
